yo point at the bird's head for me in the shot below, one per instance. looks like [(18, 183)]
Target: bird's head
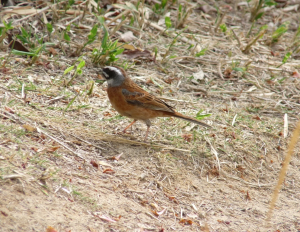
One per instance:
[(115, 76)]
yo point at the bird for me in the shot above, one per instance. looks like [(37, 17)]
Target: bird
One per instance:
[(132, 101)]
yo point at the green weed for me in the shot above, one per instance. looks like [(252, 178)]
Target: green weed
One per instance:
[(256, 11), (108, 51), (279, 32)]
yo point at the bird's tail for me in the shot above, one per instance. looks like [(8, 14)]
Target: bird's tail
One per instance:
[(179, 115)]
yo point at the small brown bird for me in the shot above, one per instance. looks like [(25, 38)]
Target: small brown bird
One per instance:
[(132, 101)]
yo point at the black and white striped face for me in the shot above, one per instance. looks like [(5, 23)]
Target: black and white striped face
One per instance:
[(113, 75)]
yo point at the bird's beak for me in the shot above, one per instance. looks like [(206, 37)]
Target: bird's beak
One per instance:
[(102, 74)]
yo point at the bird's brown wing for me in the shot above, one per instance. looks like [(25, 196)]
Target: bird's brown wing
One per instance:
[(139, 97)]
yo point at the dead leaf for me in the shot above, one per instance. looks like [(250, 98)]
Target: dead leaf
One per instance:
[(214, 171), (138, 54), (170, 80), (117, 218), (127, 37), (240, 168), (21, 60), (192, 215), (29, 128), (107, 114), (161, 212), (34, 149), (291, 8), (92, 229), (128, 47), (9, 110), (233, 135), (116, 157), (119, 156), (296, 74), (154, 205), (187, 137), (77, 142), (224, 222), (149, 81), (4, 213), (228, 73), (275, 54), (5, 70), (144, 203), (256, 117), (125, 46), (14, 44), (24, 165), (248, 196), (53, 51), (105, 164), (53, 149), (155, 213), (198, 75), (27, 100), (206, 9), (172, 198), (51, 229), (106, 218), (25, 10), (77, 12), (94, 163), (108, 171), (186, 221)]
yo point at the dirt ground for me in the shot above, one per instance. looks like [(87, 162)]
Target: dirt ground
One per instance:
[(66, 166)]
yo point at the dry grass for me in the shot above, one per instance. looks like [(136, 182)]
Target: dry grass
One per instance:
[(67, 165)]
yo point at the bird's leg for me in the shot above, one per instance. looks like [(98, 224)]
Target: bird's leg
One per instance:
[(147, 132), (124, 131), (148, 123)]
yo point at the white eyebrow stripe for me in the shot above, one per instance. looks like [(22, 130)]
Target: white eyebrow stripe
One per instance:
[(114, 69), (105, 74)]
